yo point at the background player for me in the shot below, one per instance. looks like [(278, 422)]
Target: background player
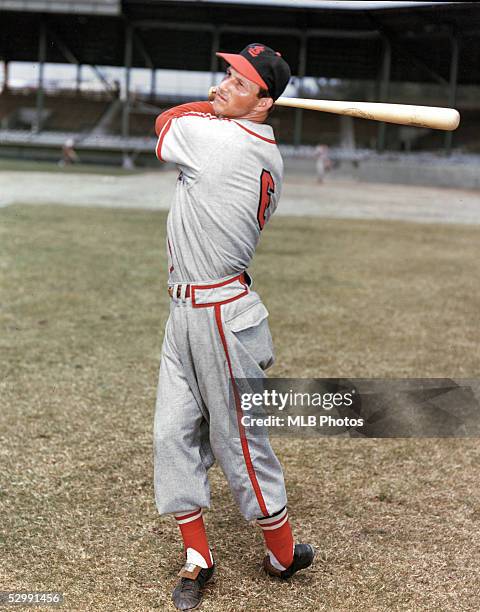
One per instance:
[(229, 185)]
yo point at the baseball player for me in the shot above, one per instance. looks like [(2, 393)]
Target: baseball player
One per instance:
[(228, 187)]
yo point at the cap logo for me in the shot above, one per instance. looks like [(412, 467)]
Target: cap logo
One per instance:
[(256, 50)]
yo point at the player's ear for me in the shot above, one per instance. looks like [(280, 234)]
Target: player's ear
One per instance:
[(265, 104)]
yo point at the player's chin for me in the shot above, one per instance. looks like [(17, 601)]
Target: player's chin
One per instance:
[(219, 106), (228, 110)]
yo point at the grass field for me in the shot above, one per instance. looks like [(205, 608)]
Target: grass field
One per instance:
[(82, 309)]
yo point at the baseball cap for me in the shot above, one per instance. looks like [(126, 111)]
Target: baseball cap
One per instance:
[(262, 65)]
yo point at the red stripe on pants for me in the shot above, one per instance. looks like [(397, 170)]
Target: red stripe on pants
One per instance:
[(241, 428)]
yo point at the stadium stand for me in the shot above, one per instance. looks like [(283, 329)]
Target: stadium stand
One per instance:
[(423, 43), (63, 112)]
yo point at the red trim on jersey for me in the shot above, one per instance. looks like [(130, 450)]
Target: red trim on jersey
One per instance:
[(178, 111), (161, 139), (241, 428), (164, 121), (203, 116), (165, 126), (254, 133)]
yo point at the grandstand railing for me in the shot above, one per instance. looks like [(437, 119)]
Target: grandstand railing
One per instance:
[(136, 144)]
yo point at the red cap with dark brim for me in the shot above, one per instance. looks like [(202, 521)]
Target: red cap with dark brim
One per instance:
[(244, 67)]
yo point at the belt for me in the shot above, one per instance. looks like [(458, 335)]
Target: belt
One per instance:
[(179, 288), (187, 290)]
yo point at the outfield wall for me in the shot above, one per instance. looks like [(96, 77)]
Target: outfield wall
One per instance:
[(459, 172)]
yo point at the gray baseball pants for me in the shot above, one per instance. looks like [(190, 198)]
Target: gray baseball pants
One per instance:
[(218, 333)]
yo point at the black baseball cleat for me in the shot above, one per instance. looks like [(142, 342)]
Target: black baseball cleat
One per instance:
[(303, 556), (187, 595)]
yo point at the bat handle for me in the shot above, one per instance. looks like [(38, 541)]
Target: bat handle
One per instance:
[(211, 93)]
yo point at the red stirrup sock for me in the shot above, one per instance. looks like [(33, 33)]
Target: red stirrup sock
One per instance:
[(194, 537), (278, 538)]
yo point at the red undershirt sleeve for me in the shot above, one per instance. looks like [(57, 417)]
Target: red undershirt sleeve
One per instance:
[(178, 111)]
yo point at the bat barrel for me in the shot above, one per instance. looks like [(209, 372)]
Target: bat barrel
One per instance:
[(433, 117)]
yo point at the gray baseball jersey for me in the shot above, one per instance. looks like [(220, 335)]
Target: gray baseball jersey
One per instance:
[(228, 187)]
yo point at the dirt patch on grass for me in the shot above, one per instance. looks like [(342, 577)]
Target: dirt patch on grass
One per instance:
[(301, 195)]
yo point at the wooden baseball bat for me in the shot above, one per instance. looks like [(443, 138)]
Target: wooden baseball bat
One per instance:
[(434, 117)]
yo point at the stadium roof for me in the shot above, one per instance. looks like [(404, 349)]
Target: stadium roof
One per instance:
[(85, 7), (327, 4), (181, 34)]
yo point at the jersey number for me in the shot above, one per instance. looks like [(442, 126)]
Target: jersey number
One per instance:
[(267, 189)]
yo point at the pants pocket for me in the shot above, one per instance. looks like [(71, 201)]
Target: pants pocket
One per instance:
[(251, 329)]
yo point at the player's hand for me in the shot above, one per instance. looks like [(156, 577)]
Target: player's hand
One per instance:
[(211, 93)]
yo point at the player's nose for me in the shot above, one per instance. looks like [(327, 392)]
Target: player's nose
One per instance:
[(227, 81)]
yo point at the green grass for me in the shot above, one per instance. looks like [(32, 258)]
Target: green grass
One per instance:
[(82, 309)]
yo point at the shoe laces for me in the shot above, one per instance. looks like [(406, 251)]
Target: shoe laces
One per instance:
[(188, 584)]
